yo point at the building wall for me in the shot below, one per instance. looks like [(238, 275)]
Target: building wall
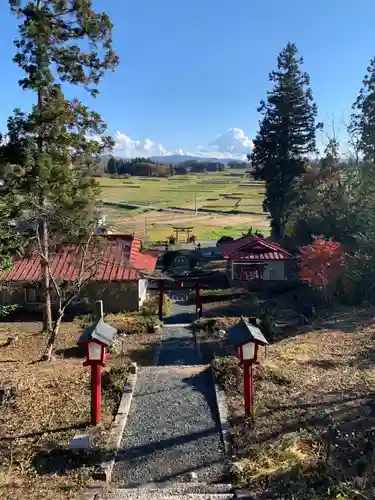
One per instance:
[(274, 271), (116, 296), (142, 291)]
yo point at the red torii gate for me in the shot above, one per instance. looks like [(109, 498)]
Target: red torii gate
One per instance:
[(183, 283)]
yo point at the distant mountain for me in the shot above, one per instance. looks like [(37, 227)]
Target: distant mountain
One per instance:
[(181, 158)]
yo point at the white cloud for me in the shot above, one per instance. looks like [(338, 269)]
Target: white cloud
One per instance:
[(233, 143), (129, 148)]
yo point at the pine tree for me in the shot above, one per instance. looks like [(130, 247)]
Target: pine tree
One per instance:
[(362, 124), (286, 135), (112, 166), (50, 147)]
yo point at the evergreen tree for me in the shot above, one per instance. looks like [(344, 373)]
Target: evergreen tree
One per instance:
[(362, 125), (51, 147), (286, 135), (112, 166)]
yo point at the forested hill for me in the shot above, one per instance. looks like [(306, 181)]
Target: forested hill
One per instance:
[(149, 167)]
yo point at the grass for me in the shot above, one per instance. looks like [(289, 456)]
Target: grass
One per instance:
[(171, 190), (204, 190), (159, 225), (306, 384), (47, 404)]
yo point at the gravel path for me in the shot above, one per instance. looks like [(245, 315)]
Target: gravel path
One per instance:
[(181, 314), (173, 427)]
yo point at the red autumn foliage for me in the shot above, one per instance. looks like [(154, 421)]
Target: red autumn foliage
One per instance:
[(321, 262)]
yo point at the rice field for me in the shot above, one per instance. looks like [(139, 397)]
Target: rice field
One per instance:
[(235, 200)]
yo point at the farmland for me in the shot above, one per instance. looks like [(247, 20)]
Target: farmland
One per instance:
[(227, 204)]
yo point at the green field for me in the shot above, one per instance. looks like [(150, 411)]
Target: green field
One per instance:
[(235, 200), (181, 191)]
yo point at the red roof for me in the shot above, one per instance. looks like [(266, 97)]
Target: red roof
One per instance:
[(120, 259), (252, 247)]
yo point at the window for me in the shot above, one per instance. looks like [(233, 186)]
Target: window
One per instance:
[(30, 294), (251, 272)]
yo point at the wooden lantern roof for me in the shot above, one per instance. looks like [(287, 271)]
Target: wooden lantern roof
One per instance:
[(102, 332), (244, 332)]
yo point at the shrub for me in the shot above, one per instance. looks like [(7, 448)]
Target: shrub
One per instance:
[(204, 324), (134, 323), (148, 323), (151, 306), (273, 374), (115, 348), (113, 382), (322, 263), (228, 372)]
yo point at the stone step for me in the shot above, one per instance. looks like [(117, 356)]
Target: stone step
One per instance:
[(170, 490), (161, 494), (186, 487)]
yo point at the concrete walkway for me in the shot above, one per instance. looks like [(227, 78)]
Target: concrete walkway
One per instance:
[(173, 428)]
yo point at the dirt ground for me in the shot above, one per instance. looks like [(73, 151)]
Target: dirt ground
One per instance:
[(314, 431), (44, 404)]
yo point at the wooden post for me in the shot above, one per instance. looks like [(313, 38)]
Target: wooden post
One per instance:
[(251, 392), (248, 389), (96, 393), (161, 300), (98, 311), (96, 374), (197, 301)]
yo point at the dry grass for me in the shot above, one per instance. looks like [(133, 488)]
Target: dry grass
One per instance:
[(47, 403), (278, 457), (160, 224), (305, 385)]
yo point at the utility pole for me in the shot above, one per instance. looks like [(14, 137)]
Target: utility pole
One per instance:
[(145, 228), (195, 202)]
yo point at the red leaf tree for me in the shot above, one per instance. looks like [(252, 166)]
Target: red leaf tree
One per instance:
[(321, 262)]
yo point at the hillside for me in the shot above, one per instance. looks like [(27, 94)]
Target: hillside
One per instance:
[(182, 158)]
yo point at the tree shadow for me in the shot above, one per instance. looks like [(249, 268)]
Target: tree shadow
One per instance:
[(179, 351), (82, 425), (366, 359), (77, 352), (313, 482), (343, 428), (59, 460), (170, 447), (142, 356), (203, 383), (180, 318), (325, 364)]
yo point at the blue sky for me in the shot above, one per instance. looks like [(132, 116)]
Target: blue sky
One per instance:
[(191, 70)]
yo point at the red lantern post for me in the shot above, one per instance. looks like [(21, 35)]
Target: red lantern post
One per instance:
[(96, 393), (95, 339), (247, 337)]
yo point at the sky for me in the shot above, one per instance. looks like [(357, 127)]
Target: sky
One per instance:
[(192, 72)]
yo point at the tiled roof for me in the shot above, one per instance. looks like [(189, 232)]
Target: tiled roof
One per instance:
[(230, 247), (257, 256), (252, 247), (120, 259)]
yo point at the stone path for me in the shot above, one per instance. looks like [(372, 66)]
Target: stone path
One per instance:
[(173, 428)]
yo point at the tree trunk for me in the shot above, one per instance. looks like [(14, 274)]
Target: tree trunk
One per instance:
[(47, 356), (47, 319), (47, 316)]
